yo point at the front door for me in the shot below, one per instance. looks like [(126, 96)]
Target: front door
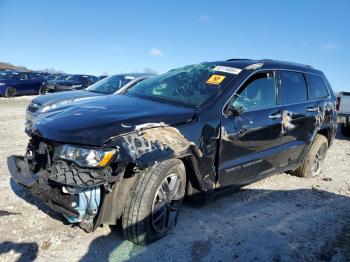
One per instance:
[(251, 131)]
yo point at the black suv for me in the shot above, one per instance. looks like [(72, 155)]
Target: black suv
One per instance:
[(187, 132)]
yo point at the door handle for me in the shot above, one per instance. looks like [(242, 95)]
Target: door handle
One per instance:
[(313, 109), (275, 116)]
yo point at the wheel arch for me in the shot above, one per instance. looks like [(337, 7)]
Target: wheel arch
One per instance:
[(328, 132)]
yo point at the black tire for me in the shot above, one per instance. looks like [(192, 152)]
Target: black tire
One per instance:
[(42, 90), (10, 92), (139, 218), (345, 130), (317, 153)]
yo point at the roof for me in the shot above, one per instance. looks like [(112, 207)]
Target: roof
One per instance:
[(268, 63)]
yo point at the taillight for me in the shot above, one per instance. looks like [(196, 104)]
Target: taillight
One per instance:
[(337, 103)]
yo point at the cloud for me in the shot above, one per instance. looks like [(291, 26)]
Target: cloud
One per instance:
[(203, 18), (329, 46), (155, 52)]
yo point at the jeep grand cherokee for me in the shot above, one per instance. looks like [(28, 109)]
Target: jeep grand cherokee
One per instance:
[(188, 132)]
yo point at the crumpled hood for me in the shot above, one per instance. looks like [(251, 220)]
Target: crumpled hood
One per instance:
[(96, 120), (53, 98)]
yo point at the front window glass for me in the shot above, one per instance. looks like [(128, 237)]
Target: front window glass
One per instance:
[(258, 92), (61, 77), (23, 76), (292, 88), (109, 85), (76, 78), (188, 86)]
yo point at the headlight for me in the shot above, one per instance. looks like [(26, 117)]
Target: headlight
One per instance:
[(87, 157), (47, 108), (55, 105), (2, 84), (76, 86)]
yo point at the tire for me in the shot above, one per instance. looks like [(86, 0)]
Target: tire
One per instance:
[(345, 130), (312, 164), (145, 219), (10, 92), (42, 90)]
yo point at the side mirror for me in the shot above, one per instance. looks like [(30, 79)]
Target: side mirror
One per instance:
[(233, 111)]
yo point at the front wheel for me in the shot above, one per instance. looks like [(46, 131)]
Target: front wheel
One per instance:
[(153, 206), (10, 92)]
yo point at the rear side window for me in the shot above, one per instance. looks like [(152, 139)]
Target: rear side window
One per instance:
[(317, 87), (292, 88)]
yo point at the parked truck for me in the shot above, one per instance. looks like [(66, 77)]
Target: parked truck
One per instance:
[(343, 108)]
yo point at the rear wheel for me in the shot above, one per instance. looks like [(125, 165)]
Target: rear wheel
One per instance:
[(153, 206), (10, 92), (345, 130), (312, 165)]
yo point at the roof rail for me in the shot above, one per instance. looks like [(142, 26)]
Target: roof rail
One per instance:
[(286, 62), (237, 59)]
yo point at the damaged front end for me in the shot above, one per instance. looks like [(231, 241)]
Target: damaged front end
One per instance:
[(69, 189), (90, 185)]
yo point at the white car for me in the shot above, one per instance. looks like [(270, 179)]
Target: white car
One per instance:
[(343, 108)]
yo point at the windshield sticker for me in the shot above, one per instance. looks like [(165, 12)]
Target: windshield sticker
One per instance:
[(129, 77), (227, 69), (254, 66), (215, 79)]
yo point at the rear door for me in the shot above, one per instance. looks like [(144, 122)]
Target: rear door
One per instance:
[(322, 103), (34, 83), (250, 137), (297, 124)]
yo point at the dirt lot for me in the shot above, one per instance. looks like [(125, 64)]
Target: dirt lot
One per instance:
[(282, 218)]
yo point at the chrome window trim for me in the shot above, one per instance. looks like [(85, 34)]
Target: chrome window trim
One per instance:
[(281, 105)]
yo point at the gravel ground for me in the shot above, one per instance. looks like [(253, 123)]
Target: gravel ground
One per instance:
[(282, 218)]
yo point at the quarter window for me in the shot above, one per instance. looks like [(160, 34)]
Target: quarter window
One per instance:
[(292, 88), (317, 87), (258, 92)]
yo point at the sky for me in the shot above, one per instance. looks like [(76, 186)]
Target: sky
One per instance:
[(99, 37)]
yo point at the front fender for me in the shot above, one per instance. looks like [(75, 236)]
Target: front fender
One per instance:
[(146, 147)]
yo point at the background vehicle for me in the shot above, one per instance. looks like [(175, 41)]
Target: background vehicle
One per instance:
[(109, 85), (102, 77), (20, 83), (343, 108), (188, 132), (72, 82)]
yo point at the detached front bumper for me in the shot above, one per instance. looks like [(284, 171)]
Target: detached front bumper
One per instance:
[(77, 205), (19, 170)]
